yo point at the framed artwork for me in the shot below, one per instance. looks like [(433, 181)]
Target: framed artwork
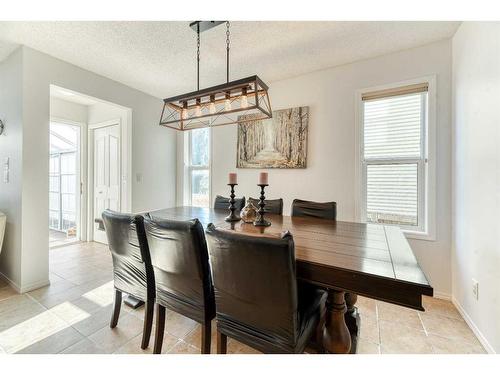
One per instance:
[(279, 142)]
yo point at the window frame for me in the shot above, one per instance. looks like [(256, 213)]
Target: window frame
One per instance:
[(425, 163), (190, 168), (60, 193)]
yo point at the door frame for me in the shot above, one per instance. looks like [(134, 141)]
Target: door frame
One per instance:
[(125, 167), (81, 210)]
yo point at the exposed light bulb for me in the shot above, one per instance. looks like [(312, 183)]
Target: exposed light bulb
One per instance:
[(211, 107), (184, 112), (227, 102), (244, 99), (198, 108)]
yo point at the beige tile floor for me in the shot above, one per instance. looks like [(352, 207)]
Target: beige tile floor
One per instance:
[(72, 316)]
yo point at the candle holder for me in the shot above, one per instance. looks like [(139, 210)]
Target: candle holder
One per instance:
[(261, 222), (232, 216)]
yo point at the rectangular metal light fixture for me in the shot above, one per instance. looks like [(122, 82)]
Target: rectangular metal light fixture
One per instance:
[(233, 102)]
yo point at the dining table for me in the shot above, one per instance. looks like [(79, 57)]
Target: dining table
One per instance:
[(347, 259)]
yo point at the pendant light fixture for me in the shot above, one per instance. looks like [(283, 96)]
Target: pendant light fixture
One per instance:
[(232, 102)]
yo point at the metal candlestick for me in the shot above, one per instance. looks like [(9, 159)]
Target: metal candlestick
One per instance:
[(232, 216), (261, 222)]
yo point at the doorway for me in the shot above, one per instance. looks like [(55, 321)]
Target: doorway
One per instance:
[(64, 184), (102, 167)]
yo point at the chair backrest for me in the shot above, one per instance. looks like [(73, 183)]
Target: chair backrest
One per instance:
[(127, 242), (273, 206), (255, 282), (223, 203), (180, 260), (326, 210)]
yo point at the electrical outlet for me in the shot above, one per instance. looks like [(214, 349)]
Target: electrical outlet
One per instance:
[(475, 289)]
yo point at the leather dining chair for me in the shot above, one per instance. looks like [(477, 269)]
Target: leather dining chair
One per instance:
[(132, 269), (183, 282), (273, 206), (223, 203), (326, 210), (258, 299)]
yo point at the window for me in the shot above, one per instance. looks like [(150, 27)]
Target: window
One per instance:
[(63, 186), (199, 167), (394, 124)]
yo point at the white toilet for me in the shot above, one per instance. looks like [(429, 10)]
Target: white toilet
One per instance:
[(3, 220)]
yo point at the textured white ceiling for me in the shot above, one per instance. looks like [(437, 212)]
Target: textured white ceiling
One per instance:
[(159, 57)]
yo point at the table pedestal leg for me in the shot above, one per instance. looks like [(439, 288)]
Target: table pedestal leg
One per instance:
[(352, 319), (336, 336)]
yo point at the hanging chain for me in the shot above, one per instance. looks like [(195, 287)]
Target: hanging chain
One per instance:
[(227, 50), (228, 34), (198, 56)]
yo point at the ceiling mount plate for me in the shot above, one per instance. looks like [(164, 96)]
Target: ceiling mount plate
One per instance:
[(204, 25)]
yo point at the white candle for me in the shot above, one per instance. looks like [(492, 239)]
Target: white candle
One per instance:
[(263, 178), (233, 179)]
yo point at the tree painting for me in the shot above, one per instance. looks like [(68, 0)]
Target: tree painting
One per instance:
[(279, 142)]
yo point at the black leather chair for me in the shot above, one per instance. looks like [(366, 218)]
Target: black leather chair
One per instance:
[(223, 203), (132, 269), (326, 210), (273, 206), (183, 282), (258, 299)]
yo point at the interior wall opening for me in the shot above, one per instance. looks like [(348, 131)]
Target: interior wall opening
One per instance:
[(64, 184)]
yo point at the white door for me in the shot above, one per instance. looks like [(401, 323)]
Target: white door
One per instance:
[(107, 174)]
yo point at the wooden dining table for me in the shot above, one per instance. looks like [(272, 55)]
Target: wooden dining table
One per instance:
[(345, 258)]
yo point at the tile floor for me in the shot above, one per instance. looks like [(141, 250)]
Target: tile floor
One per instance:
[(58, 238), (72, 316)]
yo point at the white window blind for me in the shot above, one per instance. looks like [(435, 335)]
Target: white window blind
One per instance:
[(393, 159)]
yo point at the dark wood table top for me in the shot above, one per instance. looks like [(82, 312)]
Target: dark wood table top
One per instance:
[(368, 259)]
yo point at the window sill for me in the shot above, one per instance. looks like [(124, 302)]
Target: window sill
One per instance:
[(423, 236)]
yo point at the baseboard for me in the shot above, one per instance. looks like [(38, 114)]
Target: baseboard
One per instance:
[(35, 285), (473, 327), (441, 295), (26, 288), (14, 286)]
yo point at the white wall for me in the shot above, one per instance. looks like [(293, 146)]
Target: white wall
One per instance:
[(330, 172), (153, 147), (476, 177), (11, 107), (65, 110)]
